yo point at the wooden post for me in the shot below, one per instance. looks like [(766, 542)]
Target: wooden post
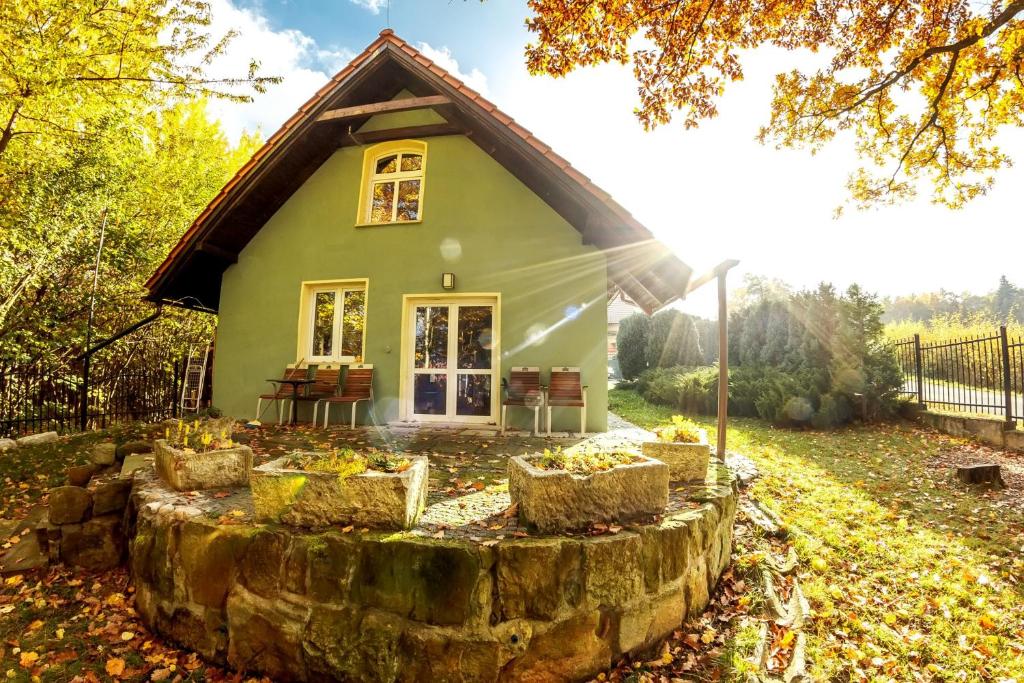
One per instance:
[(723, 366)]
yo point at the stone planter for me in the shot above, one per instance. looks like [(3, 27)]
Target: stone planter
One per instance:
[(686, 461), (383, 500), (183, 471), (557, 500)]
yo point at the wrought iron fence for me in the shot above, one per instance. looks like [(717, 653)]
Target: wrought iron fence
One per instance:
[(981, 374), (35, 399)]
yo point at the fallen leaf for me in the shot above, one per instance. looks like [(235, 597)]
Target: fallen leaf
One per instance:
[(115, 666)]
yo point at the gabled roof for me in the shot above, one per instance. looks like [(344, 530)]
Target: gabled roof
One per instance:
[(190, 276)]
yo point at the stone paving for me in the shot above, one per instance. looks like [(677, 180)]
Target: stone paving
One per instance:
[(468, 487)]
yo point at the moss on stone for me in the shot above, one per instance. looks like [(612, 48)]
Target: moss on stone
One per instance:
[(273, 495)]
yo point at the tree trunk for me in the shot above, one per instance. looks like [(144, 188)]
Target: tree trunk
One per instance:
[(8, 132), (980, 474)]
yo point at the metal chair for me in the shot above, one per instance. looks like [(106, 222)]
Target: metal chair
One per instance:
[(523, 389), (357, 386), (567, 390), (281, 393)]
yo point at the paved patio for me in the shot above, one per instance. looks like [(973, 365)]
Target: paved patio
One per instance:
[(468, 487)]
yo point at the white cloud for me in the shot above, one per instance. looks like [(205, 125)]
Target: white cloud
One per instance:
[(443, 57), (303, 65), (372, 5)]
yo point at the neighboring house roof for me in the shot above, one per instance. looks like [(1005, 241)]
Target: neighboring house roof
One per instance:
[(190, 276), (620, 307)]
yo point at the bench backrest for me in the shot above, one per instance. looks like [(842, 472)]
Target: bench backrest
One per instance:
[(358, 381), (566, 384), (325, 381), (524, 382)]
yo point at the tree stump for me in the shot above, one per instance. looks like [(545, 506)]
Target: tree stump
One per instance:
[(980, 474)]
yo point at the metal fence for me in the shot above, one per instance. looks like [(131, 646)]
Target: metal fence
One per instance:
[(36, 399), (982, 374)]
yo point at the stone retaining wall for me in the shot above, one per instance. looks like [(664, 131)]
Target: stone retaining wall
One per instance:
[(992, 431), (299, 605)]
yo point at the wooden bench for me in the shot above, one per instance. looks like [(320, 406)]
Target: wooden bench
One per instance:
[(567, 390), (281, 393), (523, 389), (357, 386)]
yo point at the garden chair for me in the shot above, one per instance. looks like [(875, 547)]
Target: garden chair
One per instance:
[(281, 393), (357, 386), (325, 384), (523, 389), (566, 390)]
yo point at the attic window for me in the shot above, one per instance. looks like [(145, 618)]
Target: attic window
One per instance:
[(393, 183)]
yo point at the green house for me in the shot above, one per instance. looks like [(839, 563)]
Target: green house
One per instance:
[(400, 220)]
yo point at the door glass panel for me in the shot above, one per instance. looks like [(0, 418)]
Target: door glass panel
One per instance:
[(474, 395), (431, 337), (353, 319), (475, 337), (430, 394), (323, 324)]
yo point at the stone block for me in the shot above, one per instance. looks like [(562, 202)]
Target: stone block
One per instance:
[(332, 560), (7, 445), (209, 557), (445, 658), (184, 471), (94, 545), (79, 475), (138, 447), (538, 578), (103, 454), (135, 462), (557, 500), (110, 495), (382, 500), (37, 439), (686, 461), (423, 579), (643, 626), (266, 635), (69, 504), (571, 650), (613, 569), (262, 566)]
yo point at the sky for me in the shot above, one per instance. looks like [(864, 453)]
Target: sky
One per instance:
[(710, 194)]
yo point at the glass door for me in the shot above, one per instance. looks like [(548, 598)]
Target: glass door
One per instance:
[(453, 373)]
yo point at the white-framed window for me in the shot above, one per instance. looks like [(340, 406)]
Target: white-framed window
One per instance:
[(393, 182), (335, 318)]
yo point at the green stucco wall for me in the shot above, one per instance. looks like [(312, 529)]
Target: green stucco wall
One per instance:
[(511, 242)]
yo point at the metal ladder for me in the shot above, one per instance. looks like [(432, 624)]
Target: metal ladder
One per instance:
[(195, 378)]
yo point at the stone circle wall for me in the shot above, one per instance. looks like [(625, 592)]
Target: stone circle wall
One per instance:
[(301, 605)]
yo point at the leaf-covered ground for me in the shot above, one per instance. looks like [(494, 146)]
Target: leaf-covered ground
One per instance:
[(911, 575)]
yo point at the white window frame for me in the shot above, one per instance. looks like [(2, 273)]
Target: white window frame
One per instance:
[(339, 288), (394, 179)]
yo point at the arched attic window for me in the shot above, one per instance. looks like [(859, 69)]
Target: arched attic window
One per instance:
[(393, 182)]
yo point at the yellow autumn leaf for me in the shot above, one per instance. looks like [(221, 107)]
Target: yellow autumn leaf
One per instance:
[(27, 659), (115, 666), (708, 636), (14, 580), (127, 635), (786, 641)]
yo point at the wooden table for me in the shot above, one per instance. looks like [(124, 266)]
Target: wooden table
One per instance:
[(296, 383)]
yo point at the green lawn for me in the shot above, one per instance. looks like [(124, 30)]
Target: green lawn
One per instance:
[(914, 577)]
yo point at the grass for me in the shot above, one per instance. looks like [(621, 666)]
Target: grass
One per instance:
[(911, 576)]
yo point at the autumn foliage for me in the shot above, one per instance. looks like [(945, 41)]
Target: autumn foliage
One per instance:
[(923, 87)]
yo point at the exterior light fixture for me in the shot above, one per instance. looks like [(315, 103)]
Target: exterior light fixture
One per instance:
[(448, 280)]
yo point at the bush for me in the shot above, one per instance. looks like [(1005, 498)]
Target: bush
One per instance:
[(673, 341), (631, 342), (688, 389)]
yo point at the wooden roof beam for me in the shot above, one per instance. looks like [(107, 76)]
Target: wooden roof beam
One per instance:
[(403, 133), (387, 107)]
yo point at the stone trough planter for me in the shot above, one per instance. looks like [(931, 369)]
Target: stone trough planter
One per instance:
[(557, 500), (184, 471), (686, 461), (382, 500)]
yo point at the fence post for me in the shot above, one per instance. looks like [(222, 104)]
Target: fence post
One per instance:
[(1004, 347), (83, 409), (917, 369), (177, 391)]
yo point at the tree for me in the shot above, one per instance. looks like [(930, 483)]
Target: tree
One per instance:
[(963, 60), (631, 342), (673, 341), (1005, 300)]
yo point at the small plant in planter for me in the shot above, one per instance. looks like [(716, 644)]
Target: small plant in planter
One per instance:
[(374, 489), (559, 490), (201, 455), (683, 446)]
